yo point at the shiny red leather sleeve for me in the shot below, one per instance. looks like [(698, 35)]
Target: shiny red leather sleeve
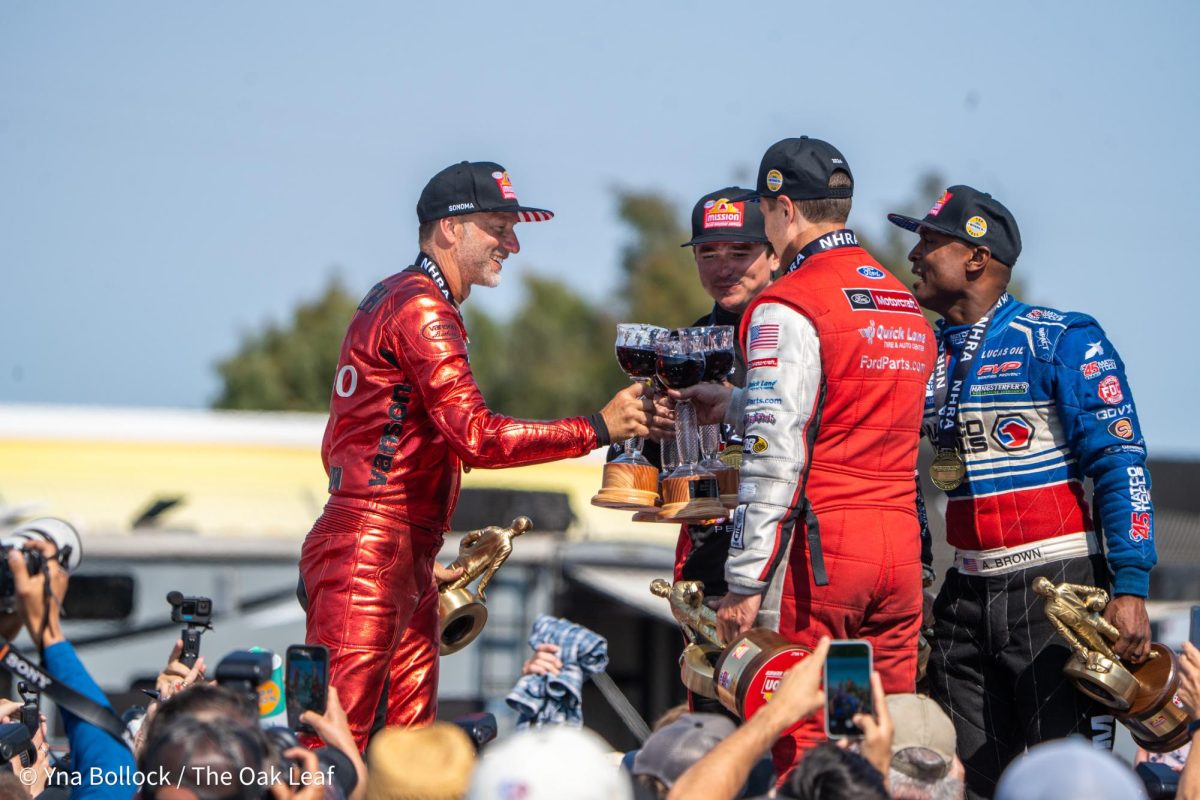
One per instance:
[(434, 354)]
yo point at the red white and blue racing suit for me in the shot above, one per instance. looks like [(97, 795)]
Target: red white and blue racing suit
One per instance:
[(1044, 405)]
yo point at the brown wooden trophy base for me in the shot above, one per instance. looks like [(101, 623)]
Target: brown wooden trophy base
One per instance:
[(628, 486), (692, 498), (727, 482)]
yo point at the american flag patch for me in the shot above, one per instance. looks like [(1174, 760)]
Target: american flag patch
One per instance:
[(764, 337), (970, 564)]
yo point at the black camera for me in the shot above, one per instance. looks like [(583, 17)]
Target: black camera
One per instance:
[(196, 613), (16, 740), (243, 671), (333, 761), (60, 533), (190, 610)]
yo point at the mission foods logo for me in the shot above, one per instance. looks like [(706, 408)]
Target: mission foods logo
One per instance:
[(881, 300), (506, 187), (941, 201), (724, 214)]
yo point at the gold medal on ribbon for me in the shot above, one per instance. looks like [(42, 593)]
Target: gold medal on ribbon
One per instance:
[(947, 470)]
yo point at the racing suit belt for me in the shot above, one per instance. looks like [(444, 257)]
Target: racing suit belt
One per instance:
[(1002, 560)]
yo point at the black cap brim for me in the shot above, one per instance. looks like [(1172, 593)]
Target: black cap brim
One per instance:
[(908, 223), (913, 224), (748, 196), (717, 236)]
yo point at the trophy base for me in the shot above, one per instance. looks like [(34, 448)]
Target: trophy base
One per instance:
[(696, 669), (1115, 689), (727, 483), (692, 498), (653, 515), (461, 617), (750, 668), (628, 487), (1156, 718)]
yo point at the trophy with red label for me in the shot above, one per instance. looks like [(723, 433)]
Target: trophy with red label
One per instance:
[(743, 674), (1142, 696)]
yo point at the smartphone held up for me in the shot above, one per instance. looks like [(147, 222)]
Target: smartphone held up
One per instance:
[(847, 687), (306, 682)]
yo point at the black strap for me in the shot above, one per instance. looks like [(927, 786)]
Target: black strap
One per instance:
[(816, 555), (946, 397), (843, 237), (78, 704), (429, 268)]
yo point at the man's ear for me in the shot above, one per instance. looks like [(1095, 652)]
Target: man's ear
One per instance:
[(981, 256), (449, 230)]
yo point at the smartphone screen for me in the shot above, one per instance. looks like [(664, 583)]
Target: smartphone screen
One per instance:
[(1194, 628), (306, 682), (847, 687)]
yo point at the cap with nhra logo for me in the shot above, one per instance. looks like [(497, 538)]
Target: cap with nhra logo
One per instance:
[(470, 187), (801, 169), (973, 216), (716, 218)]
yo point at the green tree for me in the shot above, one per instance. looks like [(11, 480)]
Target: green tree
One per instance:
[(553, 359), (660, 282), (289, 367)]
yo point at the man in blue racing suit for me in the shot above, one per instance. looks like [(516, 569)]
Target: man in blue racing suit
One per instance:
[(1023, 405)]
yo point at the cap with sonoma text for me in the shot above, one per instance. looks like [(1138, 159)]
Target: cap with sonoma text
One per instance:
[(801, 168), (470, 187), (973, 216), (716, 218)]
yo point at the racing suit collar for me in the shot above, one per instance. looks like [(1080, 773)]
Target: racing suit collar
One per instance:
[(954, 335), (425, 264), (843, 237)]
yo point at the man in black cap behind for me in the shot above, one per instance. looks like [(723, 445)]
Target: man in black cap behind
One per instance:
[(405, 416), (1025, 404)]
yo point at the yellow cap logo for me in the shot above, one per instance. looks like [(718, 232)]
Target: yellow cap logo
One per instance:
[(976, 227), (774, 180)]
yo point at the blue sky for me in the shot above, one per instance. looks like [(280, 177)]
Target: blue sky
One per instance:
[(173, 175)]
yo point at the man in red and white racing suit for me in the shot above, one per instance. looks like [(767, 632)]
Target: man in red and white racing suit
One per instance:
[(405, 416), (826, 540)]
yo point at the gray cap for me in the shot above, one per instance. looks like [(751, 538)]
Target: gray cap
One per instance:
[(673, 748), (1068, 769)]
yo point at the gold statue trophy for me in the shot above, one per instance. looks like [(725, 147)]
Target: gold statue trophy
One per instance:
[(1142, 696), (462, 612), (743, 674)]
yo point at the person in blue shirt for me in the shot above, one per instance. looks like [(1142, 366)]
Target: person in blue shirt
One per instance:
[(1024, 405)]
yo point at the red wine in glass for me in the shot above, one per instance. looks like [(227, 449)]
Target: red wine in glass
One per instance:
[(637, 362), (717, 364), (680, 371)]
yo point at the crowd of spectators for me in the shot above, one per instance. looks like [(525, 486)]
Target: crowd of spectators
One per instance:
[(202, 740)]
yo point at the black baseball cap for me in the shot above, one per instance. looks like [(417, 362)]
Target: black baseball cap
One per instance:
[(470, 187), (973, 216), (716, 218), (801, 169)]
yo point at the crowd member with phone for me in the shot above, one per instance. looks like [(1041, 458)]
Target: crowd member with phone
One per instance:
[(722, 773), (306, 683)]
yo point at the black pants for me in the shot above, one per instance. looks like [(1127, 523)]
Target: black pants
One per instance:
[(996, 668)]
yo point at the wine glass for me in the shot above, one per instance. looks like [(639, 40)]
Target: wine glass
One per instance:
[(638, 358), (681, 364), (718, 364)]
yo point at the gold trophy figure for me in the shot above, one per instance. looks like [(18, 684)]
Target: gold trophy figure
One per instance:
[(480, 553), (743, 674), (1142, 696)]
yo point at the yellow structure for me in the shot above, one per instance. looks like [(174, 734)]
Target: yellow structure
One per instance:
[(239, 474)]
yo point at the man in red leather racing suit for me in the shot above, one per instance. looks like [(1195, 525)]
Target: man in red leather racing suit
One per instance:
[(405, 415), (826, 540)]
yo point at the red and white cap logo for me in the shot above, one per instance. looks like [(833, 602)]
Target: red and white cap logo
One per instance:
[(506, 187)]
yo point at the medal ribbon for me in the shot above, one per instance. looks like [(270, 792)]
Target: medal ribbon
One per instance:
[(946, 397), (843, 237)]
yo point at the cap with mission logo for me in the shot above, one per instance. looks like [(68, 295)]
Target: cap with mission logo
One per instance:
[(717, 218), (801, 169), (973, 216), (470, 187)]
